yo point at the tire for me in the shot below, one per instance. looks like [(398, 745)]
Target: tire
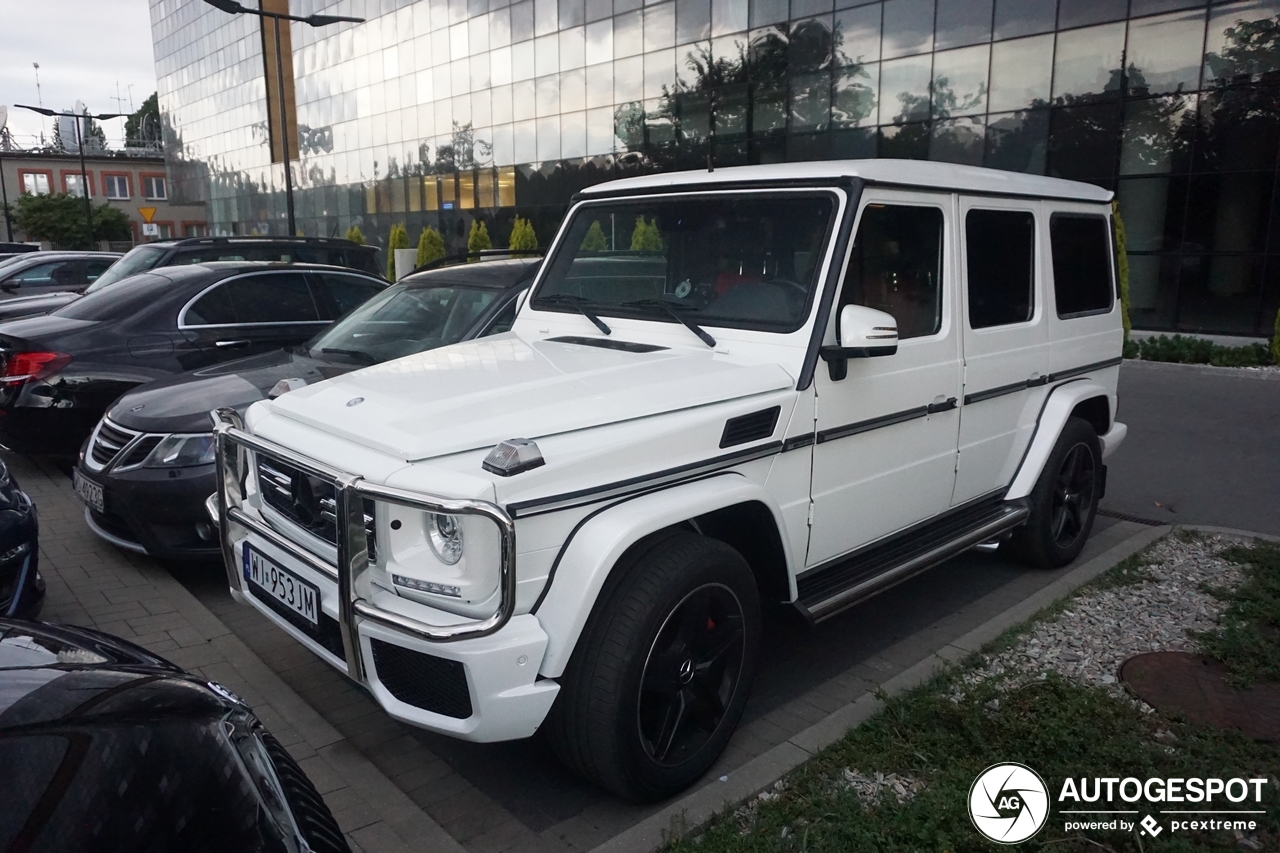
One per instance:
[(660, 675), (1064, 500)]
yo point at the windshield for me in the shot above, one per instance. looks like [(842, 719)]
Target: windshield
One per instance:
[(746, 262), (138, 260), (404, 320)]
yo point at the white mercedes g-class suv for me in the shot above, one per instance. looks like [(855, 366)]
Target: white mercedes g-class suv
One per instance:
[(796, 383)]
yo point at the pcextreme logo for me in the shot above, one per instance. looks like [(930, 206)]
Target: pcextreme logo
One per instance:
[(1008, 803)]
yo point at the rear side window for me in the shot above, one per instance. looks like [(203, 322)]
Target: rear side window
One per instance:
[(1000, 246), (896, 267), (1081, 264), (270, 298), (347, 291)]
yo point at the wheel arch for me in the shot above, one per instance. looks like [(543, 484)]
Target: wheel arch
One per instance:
[(723, 507), (1082, 398)]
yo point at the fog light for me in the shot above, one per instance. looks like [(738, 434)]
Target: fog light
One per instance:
[(15, 553), (427, 586), (204, 531)]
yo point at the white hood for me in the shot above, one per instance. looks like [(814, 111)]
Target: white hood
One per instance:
[(475, 394)]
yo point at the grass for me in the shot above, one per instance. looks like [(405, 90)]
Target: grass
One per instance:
[(945, 734), (1248, 639)]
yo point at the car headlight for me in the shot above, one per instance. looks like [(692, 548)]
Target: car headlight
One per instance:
[(444, 533), (183, 451)]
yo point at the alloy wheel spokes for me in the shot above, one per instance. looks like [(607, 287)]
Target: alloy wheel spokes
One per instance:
[(1073, 495)]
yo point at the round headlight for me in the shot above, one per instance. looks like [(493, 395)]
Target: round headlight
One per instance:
[(445, 535)]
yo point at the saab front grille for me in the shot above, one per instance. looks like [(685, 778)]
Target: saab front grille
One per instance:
[(108, 441), (309, 502), (752, 427), (423, 681)]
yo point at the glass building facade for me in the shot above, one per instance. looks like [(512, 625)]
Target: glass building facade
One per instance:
[(437, 112)]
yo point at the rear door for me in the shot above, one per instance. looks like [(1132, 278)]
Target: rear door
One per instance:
[(252, 313), (1006, 339)]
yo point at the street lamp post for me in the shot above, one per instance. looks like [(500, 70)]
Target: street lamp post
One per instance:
[(235, 8), (84, 172)]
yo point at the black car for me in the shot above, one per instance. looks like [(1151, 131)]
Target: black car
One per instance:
[(28, 277), (8, 250), (106, 746), (21, 586), (60, 372), (149, 467), (200, 250)]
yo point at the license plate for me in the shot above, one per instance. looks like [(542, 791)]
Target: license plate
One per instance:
[(282, 585), (88, 491)]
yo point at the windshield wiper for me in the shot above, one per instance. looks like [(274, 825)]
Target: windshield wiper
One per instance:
[(579, 303), (702, 333), (359, 355)]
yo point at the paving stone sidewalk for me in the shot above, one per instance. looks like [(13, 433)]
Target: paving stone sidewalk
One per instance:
[(93, 584)]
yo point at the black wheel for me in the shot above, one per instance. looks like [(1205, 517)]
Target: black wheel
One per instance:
[(659, 678), (1064, 500)]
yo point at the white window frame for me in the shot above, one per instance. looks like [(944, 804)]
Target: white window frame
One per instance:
[(147, 186), (108, 181)]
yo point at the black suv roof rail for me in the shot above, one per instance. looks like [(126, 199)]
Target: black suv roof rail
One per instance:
[(261, 238), (482, 254)]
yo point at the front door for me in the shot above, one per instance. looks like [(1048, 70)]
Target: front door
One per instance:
[(886, 434)]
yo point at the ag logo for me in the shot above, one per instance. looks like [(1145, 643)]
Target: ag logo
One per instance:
[(1008, 803)]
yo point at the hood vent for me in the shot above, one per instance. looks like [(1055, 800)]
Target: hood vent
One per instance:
[(752, 427)]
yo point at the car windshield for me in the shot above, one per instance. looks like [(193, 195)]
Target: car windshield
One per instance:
[(138, 260), (746, 262), (404, 320)]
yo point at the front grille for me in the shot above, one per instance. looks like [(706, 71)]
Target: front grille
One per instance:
[(309, 502), (424, 681), (108, 441)]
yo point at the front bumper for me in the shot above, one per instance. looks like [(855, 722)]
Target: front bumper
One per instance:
[(156, 511), (473, 679)]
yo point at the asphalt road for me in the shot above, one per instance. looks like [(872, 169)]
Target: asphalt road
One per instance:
[(1203, 448)]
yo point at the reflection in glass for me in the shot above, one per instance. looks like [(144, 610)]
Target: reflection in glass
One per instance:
[(1230, 212), (1018, 142), (1084, 142), (904, 88), (660, 26), (960, 81), (962, 22), (769, 108), (1157, 135), (905, 141), (1153, 287), (1088, 64), (1219, 293), (628, 34), (854, 101), (1015, 18), (858, 34), (810, 101), (1239, 129), (810, 46), (1021, 73), (908, 27), (1243, 43), (1078, 13), (1152, 209), (728, 16), (693, 20), (1164, 54), (764, 12), (959, 140)]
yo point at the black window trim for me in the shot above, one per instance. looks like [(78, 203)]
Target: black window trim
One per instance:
[(182, 313), (1111, 265), (1037, 256)]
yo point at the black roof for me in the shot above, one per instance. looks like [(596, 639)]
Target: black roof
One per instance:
[(499, 273)]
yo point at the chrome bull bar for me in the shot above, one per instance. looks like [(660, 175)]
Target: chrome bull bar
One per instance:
[(233, 469)]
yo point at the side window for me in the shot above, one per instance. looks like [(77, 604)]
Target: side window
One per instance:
[(38, 275), (212, 309), (504, 321), (1000, 246), (346, 292), (96, 268), (1081, 264), (896, 267), (272, 298)]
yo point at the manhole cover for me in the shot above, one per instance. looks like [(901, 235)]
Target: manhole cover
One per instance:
[(1199, 689)]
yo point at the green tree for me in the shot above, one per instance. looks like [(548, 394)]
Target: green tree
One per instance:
[(1122, 256), (645, 237), (355, 235), (59, 218), (478, 240), (523, 235), (111, 223), (594, 241), (430, 247), (143, 127), (397, 239)]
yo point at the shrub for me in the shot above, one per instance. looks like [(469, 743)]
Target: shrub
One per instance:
[(523, 235), (478, 240), (645, 237), (430, 247), (397, 239), (594, 241), (1184, 349), (1122, 265), (354, 235)]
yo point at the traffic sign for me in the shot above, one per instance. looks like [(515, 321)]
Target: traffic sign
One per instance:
[(147, 213)]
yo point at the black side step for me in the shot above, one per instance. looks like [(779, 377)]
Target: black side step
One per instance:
[(825, 591)]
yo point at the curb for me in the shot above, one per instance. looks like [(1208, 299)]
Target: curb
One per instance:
[(1207, 369), (690, 813)]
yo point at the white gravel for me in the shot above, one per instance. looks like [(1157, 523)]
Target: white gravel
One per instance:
[(1100, 629)]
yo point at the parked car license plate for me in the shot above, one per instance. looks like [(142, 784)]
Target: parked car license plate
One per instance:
[(283, 585), (88, 491)]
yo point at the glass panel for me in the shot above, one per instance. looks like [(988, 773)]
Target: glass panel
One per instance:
[(1153, 210), (904, 88), (1021, 73), (484, 188), (905, 141), (1157, 135), (1150, 7), (765, 12), (1000, 258), (896, 267), (1241, 43), (431, 194), (628, 34), (507, 186), (960, 81), (805, 8), (908, 27), (728, 262), (1219, 293), (1084, 142), (1081, 264), (858, 34), (768, 109), (1078, 13), (693, 20), (1239, 129), (810, 45), (810, 102), (467, 190), (660, 27), (728, 16), (1024, 17), (1229, 212), (1088, 64), (854, 96), (731, 108), (276, 298), (962, 22), (958, 140), (1153, 290), (1164, 54), (1018, 142)]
